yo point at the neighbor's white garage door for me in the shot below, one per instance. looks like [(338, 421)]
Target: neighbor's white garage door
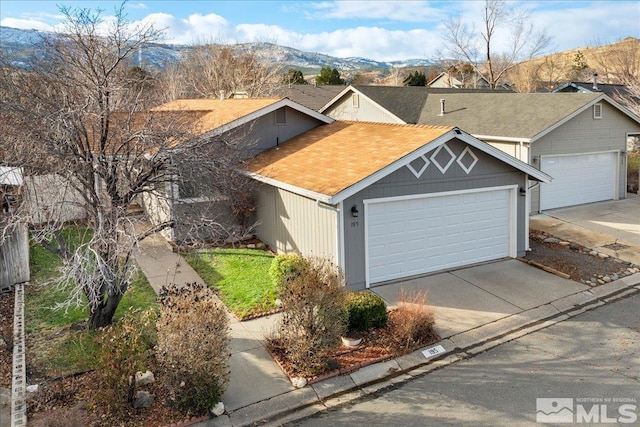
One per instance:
[(578, 179), (413, 236)]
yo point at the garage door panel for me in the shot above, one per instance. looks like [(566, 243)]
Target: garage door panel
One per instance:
[(445, 232), (578, 179)]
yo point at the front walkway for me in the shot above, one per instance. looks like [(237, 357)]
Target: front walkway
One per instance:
[(255, 376)]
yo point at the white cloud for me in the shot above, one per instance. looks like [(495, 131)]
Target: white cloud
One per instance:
[(194, 29), (136, 5), (370, 42), (26, 24)]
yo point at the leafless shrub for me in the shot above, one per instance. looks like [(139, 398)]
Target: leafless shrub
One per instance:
[(193, 346), (314, 316), (126, 348), (412, 322)]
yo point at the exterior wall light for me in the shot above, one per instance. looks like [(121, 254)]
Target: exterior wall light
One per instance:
[(354, 211), (523, 191)]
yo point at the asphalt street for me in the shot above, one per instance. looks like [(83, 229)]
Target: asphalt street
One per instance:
[(587, 370)]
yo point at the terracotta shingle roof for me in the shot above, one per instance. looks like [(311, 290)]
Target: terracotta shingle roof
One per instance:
[(331, 158), (218, 113)]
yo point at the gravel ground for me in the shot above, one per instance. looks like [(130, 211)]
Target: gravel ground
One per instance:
[(576, 260)]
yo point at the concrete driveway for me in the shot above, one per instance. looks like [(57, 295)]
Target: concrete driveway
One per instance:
[(610, 227), (470, 297)]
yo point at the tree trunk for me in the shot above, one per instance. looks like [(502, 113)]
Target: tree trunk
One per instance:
[(103, 315)]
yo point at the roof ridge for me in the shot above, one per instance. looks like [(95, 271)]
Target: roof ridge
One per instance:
[(412, 125)]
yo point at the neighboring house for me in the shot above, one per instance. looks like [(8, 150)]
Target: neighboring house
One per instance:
[(578, 139), (446, 80), (619, 93), (386, 201), (258, 123), (311, 96), (611, 90)]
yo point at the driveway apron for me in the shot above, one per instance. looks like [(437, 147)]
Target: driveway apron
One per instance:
[(471, 297)]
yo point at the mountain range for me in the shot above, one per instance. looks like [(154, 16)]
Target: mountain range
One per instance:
[(21, 46)]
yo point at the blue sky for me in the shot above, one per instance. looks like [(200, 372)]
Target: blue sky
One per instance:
[(381, 30)]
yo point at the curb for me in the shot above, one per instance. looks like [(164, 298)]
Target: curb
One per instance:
[(18, 374), (339, 390)]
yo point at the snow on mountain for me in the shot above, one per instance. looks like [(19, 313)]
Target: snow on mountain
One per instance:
[(21, 46)]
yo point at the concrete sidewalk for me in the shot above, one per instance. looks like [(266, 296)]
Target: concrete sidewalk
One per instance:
[(476, 308)]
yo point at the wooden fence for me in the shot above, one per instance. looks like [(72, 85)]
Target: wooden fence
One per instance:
[(14, 258)]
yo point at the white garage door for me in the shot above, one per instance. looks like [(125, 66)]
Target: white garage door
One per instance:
[(413, 236), (578, 179)]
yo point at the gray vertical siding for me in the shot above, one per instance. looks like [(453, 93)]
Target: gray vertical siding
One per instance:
[(263, 133), (584, 134), (14, 257), (366, 111), (292, 223), (488, 172)]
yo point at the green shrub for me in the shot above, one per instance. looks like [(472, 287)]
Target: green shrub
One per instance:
[(365, 310), (193, 346), (286, 266), (126, 347), (314, 316)]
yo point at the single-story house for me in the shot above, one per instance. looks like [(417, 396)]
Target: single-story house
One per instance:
[(579, 139), (258, 123), (389, 201)]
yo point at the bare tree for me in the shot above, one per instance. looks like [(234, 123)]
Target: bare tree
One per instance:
[(466, 44), (214, 70), (77, 124), (617, 63)]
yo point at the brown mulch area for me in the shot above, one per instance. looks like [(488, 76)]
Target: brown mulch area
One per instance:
[(575, 260), (72, 401), (377, 345)]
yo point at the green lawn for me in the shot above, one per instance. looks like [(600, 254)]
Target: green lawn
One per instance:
[(241, 277), (56, 347)]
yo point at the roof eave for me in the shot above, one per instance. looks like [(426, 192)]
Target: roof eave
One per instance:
[(284, 102), (292, 188)]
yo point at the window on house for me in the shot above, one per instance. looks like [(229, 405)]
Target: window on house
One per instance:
[(281, 116), (355, 100), (597, 111)]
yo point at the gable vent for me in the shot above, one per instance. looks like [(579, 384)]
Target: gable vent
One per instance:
[(597, 111), (281, 116)]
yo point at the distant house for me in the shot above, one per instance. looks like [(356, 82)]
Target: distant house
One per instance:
[(579, 139), (447, 80), (617, 92)]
